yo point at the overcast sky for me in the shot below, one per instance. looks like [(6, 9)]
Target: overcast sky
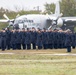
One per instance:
[(25, 4)]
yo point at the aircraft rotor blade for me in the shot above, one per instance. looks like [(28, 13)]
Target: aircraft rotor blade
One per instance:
[(17, 15), (4, 20), (5, 16)]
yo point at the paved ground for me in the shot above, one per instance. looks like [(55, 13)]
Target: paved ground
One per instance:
[(64, 54), (7, 53), (55, 54), (50, 61)]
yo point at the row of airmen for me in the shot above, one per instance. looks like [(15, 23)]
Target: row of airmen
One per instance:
[(40, 39)]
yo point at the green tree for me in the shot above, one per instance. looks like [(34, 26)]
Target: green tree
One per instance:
[(23, 12), (49, 8), (68, 7)]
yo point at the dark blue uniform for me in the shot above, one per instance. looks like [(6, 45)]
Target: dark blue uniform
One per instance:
[(39, 40), (33, 38), (68, 42), (28, 39), (0, 39), (63, 40), (18, 39), (13, 40), (3, 41), (59, 42), (73, 40), (55, 39), (23, 33), (44, 39), (8, 39), (50, 40)]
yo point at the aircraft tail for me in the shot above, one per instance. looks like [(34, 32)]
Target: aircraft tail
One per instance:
[(57, 9)]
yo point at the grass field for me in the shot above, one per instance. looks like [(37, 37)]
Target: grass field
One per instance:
[(37, 62)]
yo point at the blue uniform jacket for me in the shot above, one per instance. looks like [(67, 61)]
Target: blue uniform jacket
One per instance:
[(68, 40), (13, 38), (27, 38), (50, 37), (39, 39), (18, 37), (33, 37), (3, 39)]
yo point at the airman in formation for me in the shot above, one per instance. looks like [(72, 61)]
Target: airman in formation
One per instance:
[(17, 39)]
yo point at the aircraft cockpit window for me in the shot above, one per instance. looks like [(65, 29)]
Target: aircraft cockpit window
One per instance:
[(20, 21), (24, 20), (30, 21)]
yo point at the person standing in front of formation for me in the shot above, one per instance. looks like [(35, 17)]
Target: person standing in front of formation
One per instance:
[(68, 40)]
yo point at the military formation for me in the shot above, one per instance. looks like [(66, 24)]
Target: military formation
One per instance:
[(27, 39)]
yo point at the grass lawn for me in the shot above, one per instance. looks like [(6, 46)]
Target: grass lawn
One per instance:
[(37, 62)]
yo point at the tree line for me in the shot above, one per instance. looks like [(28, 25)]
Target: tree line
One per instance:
[(67, 7)]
